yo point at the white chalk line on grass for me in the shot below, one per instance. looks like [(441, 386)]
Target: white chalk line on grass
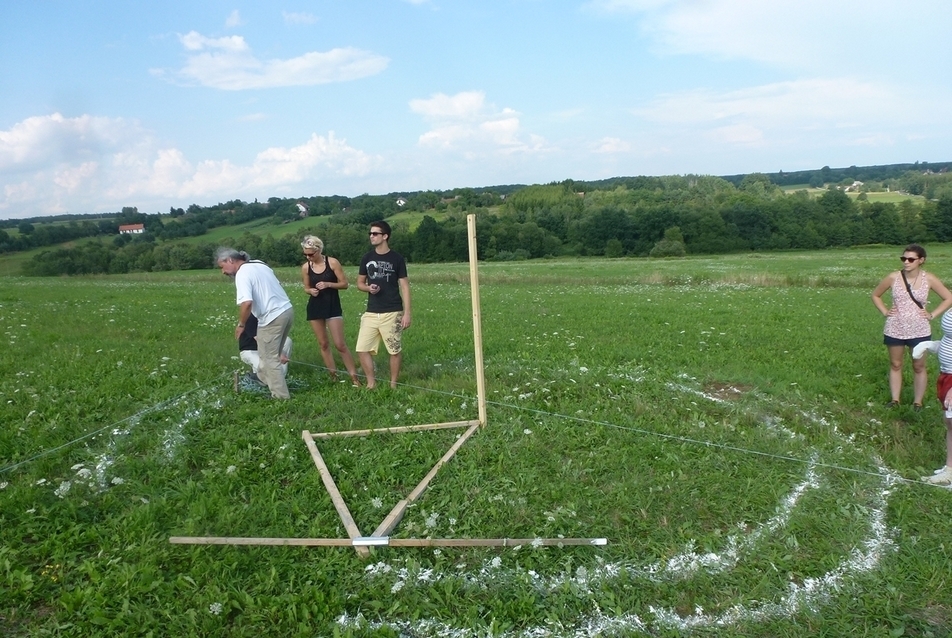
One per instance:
[(806, 596), (809, 595), (117, 429)]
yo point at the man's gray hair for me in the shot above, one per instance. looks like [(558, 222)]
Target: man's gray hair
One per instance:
[(224, 254)]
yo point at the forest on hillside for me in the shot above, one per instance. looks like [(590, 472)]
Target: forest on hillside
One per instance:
[(638, 216)]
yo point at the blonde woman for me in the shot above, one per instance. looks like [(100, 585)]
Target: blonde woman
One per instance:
[(907, 319), (323, 277)]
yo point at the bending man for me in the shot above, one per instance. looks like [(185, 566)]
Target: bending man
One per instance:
[(260, 294)]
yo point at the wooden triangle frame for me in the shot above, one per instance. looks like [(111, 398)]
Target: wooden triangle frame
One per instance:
[(380, 536)]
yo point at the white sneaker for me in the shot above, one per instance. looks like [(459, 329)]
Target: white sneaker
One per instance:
[(926, 346), (942, 477)]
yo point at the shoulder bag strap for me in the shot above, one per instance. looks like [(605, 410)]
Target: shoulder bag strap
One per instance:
[(909, 289)]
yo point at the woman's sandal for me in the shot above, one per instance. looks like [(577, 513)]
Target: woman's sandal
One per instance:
[(892, 404)]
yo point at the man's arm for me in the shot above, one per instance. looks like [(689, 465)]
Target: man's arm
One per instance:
[(405, 295)]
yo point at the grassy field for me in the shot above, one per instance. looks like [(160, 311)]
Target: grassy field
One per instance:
[(883, 197), (719, 420)]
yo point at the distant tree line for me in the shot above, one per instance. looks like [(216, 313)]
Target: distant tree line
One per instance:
[(644, 216)]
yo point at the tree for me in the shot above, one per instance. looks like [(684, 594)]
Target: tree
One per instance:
[(671, 246), (25, 228)]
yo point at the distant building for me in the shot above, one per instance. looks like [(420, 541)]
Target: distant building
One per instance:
[(131, 229), (302, 209), (401, 202)]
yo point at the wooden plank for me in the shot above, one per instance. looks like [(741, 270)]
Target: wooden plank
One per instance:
[(477, 319), (233, 540), (390, 542), (334, 493), (394, 430), (387, 525)]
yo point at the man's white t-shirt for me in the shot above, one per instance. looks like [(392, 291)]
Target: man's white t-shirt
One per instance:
[(257, 283)]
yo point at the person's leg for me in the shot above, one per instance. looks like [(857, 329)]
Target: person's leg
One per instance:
[(944, 476), (395, 361), (393, 339), (336, 328), (320, 331), (251, 358), (368, 338), (919, 380), (285, 356), (896, 354), (270, 342)]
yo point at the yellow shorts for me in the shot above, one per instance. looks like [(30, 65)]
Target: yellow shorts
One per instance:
[(375, 326)]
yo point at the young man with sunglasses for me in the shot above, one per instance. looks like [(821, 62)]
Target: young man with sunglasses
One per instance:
[(383, 275)]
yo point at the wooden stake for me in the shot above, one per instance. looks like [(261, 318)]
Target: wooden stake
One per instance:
[(477, 320), (397, 512), (334, 493), (390, 542), (394, 430)]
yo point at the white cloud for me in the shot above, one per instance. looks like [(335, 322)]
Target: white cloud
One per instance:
[(291, 17), (860, 35), (229, 64), (611, 145), (233, 19), (53, 164), (827, 101), (466, 122)]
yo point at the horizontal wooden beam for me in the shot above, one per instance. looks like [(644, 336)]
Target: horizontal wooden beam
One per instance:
[(395, 430), (366, 541)]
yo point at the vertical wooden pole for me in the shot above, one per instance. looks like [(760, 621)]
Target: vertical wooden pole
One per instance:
[(477, 320)]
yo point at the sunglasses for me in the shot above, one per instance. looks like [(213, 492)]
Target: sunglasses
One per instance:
[(908, 260), (374, 233)]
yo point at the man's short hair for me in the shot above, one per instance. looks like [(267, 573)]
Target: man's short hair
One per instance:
[(225, 253), (383, 226)]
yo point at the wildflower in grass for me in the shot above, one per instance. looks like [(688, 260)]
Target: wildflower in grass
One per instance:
[(396, 416), (41, 481), (116, 480), (215, 609), (397, 586), (437, 552), (63, 489), (409, 410), (583, 369), (495, 563), (376, 502), (452, 521), (527, 431), (3, 485), (536, 543), (230, 469), (431, 520), (463, 405), (32, 510)]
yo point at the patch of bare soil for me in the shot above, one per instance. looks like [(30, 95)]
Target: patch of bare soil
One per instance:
[(726, 391)]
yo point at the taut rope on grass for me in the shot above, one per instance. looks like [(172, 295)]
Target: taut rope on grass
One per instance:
[(158, 406)]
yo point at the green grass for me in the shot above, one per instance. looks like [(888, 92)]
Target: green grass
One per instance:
[(883, 197), (719, 420)]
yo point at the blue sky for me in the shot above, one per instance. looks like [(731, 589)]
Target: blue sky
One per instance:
[(153, 104)]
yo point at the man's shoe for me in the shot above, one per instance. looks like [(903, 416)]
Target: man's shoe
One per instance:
[(942, 477), (251, 377)]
